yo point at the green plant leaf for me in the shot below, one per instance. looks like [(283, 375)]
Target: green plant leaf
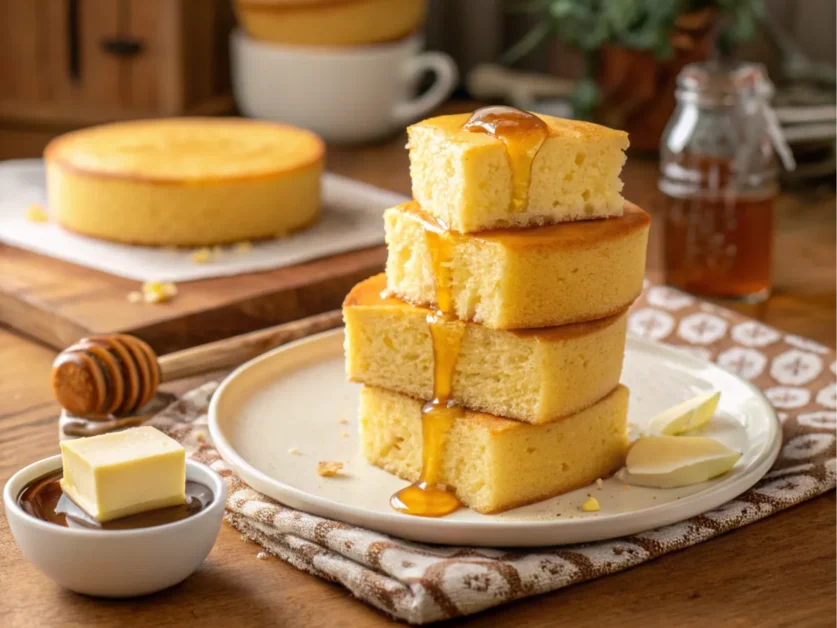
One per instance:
[(528, 42)]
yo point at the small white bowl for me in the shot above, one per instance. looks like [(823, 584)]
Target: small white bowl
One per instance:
[(116, 563)]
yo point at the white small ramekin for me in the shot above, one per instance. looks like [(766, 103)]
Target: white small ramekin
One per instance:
[(116, 563)]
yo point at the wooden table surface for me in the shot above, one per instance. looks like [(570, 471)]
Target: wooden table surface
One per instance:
[(778, 572)]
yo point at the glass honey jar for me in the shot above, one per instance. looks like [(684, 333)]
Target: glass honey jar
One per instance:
[(719, 181)]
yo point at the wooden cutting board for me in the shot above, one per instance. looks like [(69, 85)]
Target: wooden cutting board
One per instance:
[(58, 302)]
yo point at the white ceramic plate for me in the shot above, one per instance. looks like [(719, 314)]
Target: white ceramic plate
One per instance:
[(296, 396)]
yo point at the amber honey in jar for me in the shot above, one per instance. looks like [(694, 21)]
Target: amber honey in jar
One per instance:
[(719, 181)]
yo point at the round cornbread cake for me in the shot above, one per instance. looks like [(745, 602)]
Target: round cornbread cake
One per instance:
[(185, 181), (330, 22)]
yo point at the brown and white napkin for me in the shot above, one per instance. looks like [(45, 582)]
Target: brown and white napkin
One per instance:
[(423, 583)]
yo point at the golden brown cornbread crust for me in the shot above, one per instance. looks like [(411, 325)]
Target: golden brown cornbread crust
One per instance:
[(574, 233), (281, 5), (556, 127), (53, 153), (331, 23), (391, 434), (495, 423), (221, 242), (370, 293)]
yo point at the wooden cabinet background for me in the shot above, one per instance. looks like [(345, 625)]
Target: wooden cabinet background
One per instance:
[(72, 63)]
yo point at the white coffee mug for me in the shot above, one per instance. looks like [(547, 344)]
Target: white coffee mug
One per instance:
[(350, 94)]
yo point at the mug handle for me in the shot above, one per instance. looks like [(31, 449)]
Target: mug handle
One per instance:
[(446, 77)]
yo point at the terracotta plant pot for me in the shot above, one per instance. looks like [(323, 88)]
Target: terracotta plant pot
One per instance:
[(637, 89)]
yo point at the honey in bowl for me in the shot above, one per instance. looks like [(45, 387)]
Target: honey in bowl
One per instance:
[(45, 500), (523, 134)]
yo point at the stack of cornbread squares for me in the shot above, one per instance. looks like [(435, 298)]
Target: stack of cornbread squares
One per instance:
[(523, 271)]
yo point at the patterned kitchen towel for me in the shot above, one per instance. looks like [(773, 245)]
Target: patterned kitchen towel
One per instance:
[(422, 583)]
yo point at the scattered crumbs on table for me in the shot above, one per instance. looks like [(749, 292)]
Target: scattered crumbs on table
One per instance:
[(344, 421), (345, 435), (599, 483), (625, 487), (200, 436), (262, 555), (35, 213), (591, 505), (294, 451), (202, 256), (328, 469)]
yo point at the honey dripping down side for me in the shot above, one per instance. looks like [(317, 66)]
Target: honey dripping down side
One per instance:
[(428, 497), (523, 134)]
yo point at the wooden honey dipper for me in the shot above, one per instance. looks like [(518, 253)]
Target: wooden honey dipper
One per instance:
[(116, 375)]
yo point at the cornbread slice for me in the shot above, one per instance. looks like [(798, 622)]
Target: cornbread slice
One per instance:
[(496, 464), (465, 179), (185, 181), (528, 375), (330, 23), (514, 279)]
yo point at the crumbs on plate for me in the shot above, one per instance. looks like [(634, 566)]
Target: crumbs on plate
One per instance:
[(329, 469)]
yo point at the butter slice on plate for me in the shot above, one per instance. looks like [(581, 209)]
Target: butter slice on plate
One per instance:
[(673, 461), (690, 415), (124, 473)]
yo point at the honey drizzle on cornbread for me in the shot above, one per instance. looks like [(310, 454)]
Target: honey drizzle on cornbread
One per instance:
[(523, 134), (428, 497)]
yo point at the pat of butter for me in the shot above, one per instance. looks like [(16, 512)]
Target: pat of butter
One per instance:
[(122, 473), (688, 415), (672, 461)]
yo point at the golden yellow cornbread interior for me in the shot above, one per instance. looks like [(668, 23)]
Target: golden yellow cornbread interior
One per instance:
[(185, 181), (528, 375), (495, 464), (522, 278), (465, 179), (330, 22)]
